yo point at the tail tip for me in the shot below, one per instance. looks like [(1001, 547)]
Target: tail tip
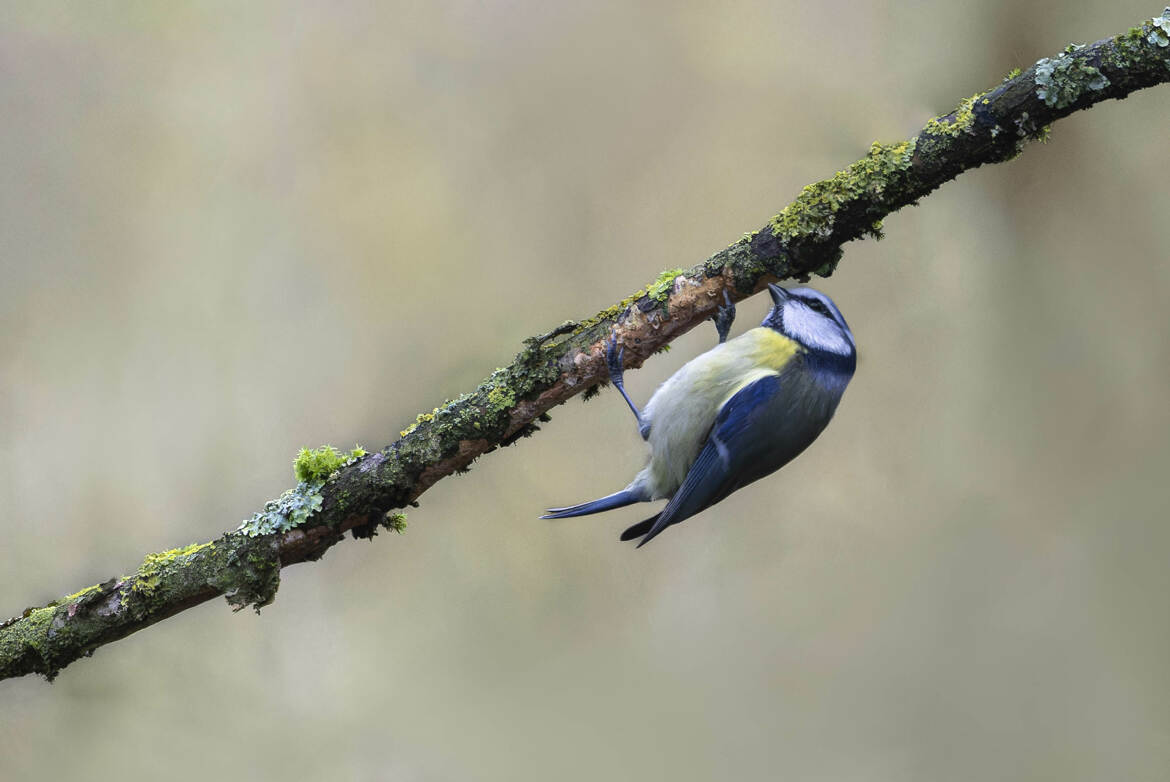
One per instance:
[(642, 528)]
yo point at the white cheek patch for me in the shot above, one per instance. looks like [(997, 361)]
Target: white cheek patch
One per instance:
[(815, 330)]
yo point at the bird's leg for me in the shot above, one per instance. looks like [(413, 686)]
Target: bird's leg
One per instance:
[(613, 357), (724, 317)]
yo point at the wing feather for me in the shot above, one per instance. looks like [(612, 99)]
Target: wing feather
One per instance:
[(724, 464)]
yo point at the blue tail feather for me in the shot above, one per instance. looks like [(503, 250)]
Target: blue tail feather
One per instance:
[(616, 500)]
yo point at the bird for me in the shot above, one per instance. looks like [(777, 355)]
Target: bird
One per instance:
[(736, 413)]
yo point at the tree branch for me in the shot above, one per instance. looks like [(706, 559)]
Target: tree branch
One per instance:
[(359, 493)]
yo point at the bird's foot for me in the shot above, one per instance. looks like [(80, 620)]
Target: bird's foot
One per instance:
[(613, 358), (724, 317)]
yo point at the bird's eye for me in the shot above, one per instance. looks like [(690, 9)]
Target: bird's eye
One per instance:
[(818, 306)]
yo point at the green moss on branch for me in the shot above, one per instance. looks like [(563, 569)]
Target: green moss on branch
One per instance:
[(362, 492)]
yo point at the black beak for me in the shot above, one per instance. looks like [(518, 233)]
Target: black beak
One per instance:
[(779, 295)]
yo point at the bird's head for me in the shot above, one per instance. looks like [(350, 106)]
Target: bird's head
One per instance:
[(810, 318)]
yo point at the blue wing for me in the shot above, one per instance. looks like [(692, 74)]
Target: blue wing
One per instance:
[(759, 430)]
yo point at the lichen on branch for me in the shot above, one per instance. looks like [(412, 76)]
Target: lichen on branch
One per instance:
[(362, 492)]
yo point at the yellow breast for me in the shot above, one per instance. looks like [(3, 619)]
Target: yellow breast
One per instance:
[(769, 348), (766, 351), (683, 408)]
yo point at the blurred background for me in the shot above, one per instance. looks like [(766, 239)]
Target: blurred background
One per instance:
[(230, 230)]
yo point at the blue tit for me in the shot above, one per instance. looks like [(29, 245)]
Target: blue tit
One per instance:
[(738, 412)]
